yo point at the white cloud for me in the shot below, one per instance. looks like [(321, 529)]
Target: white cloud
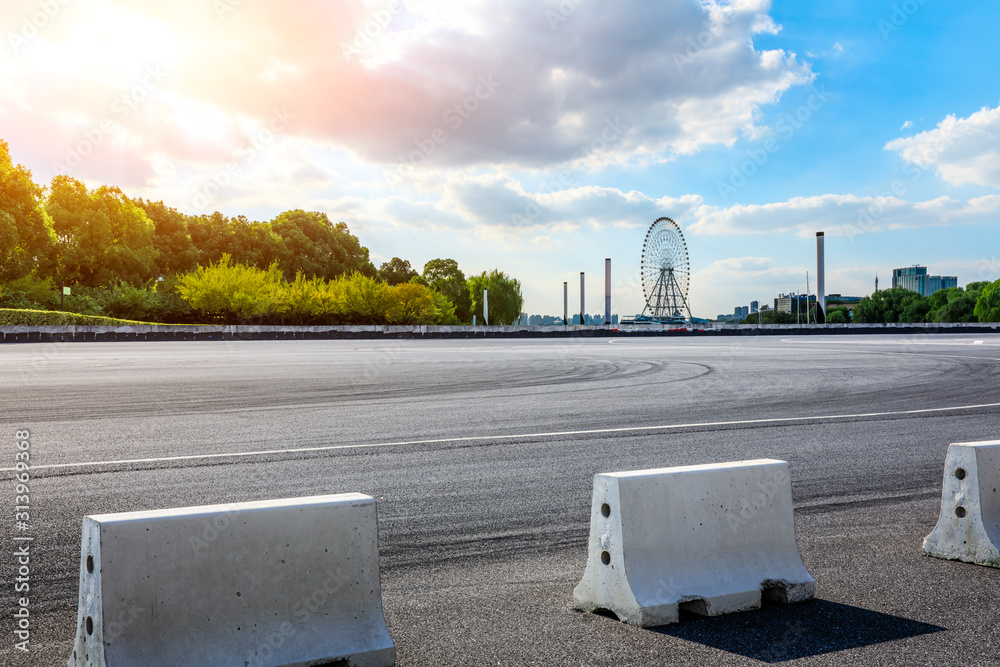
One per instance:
[(500, 205), (963, 150), (836, 51), (677, 75), (845, 215), (907, 125)]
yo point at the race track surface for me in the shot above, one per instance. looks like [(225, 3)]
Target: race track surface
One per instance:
[(481, 455)]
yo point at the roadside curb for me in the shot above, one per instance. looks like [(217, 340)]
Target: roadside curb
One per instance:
[(135, 333)]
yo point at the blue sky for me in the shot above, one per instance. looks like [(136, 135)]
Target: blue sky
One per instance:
[(753, 124)]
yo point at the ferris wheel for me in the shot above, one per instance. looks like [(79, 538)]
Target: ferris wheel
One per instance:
[(666, 272)]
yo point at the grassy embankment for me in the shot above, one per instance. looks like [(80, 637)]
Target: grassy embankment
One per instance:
[(31, 318)]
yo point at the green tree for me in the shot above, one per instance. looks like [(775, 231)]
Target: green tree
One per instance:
[(445, 309), (310, 300), (129, 302), (396, 271), (771, 316), (176, 253), (915, 309), (103, 235), (27, 240), (885, 306), (838, 316), (988, 304), (364, 300), (978, 286), (29, 292), (444, 276), (317, 247), (952, 305), (411, 303), (256, 244), (212, 236), (504, 296)]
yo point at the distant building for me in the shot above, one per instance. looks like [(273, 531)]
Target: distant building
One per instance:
[(754, 306), (841, 301), (915, 279), (791, 303), (549, 320), (935, 283), (741, 311)]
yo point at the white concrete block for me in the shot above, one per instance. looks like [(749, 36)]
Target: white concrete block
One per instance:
[(969, 526), (711, 539), (279, 582)]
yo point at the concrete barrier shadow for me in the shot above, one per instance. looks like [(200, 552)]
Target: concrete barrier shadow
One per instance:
[(780, 633)]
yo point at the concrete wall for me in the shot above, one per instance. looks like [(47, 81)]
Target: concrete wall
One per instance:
[(153, 332)]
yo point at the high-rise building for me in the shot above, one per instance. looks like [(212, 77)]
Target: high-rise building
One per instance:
[(934, 283), (754, 306), (915, 279)]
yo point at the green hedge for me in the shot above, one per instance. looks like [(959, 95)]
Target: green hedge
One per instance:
[(30, 318)]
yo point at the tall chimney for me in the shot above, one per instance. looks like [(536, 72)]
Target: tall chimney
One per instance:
[(607, 292), (565, 304), (820, 280)]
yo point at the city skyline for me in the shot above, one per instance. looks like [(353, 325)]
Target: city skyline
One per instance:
[(480, 132)]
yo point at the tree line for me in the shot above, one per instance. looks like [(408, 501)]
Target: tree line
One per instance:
[(976, 302), (138, 259)]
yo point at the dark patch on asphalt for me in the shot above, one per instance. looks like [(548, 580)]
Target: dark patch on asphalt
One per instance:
[(788, 632)]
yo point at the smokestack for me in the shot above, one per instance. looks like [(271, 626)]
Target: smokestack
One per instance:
[(565, 304), (820, 280), (581, 298), (607, 292)]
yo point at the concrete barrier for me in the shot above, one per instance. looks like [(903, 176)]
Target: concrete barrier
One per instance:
[(279, 582), (711, 539), (969, 526)]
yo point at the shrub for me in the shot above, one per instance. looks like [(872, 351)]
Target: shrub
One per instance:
[(411, 303), (233, 292), (17, 317)]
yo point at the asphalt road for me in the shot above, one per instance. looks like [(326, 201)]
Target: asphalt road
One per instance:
[(481, 455)]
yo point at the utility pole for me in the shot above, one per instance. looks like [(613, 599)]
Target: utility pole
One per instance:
[(581, 298)]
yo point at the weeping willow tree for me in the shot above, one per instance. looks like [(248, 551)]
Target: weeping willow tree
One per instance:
[(504, 298)]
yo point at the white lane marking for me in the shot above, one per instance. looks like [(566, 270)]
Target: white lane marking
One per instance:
[(928, 340), (515, 436)]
